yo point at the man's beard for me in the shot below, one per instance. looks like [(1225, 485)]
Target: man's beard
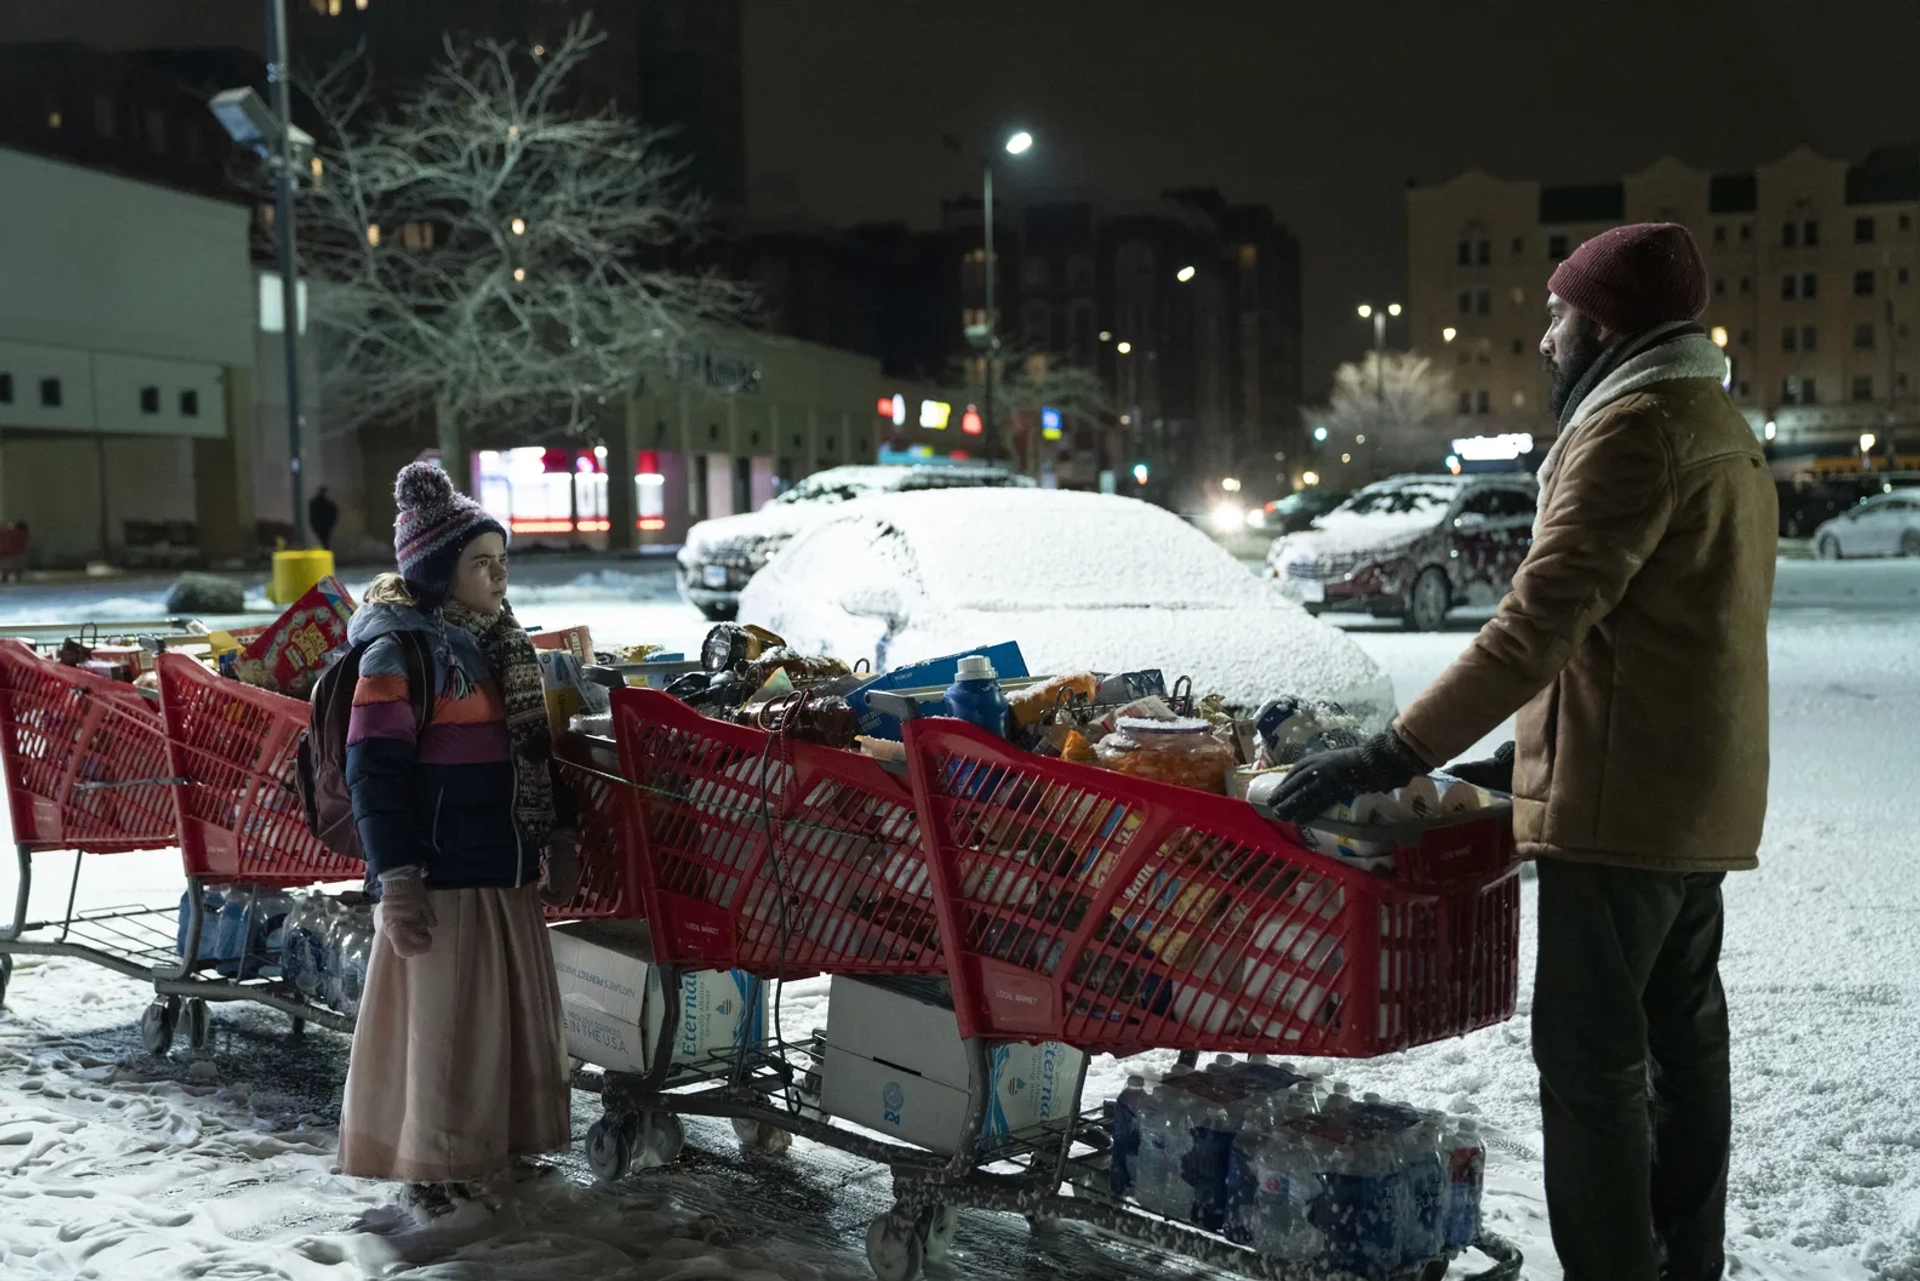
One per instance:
[(1577, 355)]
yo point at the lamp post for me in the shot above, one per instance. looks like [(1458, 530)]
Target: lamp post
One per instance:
[(1379, 317), (1015, 144), (271, 133)]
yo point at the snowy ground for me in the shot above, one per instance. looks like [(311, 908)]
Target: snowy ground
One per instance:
[(219, 1165)]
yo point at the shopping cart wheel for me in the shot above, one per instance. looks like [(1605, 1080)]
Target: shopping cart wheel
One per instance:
[(6, 975), (610, 1142), (661, 1138), (156, 1025), (937, 1227), (199, 1022), (762, 1136), (893, 1248)]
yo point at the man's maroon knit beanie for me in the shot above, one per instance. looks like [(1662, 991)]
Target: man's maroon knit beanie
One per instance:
[(1635, 277)]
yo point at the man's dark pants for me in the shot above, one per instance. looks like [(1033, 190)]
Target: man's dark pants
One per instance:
[(1630, 1035)]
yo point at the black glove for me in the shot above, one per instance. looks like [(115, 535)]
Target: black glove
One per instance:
[(1495, 775), (1318, 783)]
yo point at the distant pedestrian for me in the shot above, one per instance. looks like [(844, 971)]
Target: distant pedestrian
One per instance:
[(1633, 646), (322, 515)]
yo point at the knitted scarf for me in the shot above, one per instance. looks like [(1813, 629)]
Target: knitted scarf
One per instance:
[(511, 659)]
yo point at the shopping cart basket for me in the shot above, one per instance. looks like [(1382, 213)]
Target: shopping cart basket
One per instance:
[(759, 852), (86, 770)]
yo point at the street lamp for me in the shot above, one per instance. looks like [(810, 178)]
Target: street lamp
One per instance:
[(1379, 317), (1185, 274), (274, 136), (1018, 143)]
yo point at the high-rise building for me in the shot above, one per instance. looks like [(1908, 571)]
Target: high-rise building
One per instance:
[(1811, 265), (1187, 307)]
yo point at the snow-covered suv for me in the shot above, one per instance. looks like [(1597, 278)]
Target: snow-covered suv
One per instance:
[(720, 555), (1412, 547)]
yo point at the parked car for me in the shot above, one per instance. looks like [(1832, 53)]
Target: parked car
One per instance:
[(721, 555), (1412, 547), (1081, 581), (1884, 525), (1297, 511)]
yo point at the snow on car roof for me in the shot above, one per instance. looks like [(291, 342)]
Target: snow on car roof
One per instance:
[(1028, 548)]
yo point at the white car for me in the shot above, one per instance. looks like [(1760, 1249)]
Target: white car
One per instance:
[(720, 555), (1886, 525), (1081, 581)]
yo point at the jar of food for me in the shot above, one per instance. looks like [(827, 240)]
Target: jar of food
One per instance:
[(1186, 752)]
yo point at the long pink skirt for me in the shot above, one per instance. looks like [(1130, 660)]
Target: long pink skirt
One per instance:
[(459, 1058)]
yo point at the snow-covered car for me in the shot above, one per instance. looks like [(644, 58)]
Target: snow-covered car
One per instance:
[(1081, 581), (1412, 547), (1887, 525), (722, 554)]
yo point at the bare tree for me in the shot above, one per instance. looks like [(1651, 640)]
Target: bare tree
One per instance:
[(483, 250), (1402, 405)]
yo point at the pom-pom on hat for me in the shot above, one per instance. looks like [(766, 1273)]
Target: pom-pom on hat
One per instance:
[(433, 525)]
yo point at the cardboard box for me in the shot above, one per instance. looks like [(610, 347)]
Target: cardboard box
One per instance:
[(576, 640), (895, 1064), (610, 994), (935, 674)]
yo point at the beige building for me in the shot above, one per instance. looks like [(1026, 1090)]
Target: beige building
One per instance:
[(127, 349), (1811, 264)]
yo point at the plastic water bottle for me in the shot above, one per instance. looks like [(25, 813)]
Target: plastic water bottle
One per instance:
[(1361, 1214), (1215, 1122), (1423, 1233), (303, 951), (1289, 1165), (230, 933), (349, 948), (1127, 1110), (975, 696), (1164, 1138), (1466, 1179)]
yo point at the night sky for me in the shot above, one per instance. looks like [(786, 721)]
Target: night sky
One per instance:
[(1321, 110)]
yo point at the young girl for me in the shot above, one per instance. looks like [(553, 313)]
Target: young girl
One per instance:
[(459, 1062)]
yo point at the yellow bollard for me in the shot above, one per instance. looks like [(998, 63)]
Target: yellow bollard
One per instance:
[(296, 571)]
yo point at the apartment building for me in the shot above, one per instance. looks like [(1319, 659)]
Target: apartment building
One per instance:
[(1811, 262)]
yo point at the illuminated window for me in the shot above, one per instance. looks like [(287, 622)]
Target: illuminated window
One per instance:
[(373, 234)]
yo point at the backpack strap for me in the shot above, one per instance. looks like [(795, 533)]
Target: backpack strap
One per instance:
[(419, 666)]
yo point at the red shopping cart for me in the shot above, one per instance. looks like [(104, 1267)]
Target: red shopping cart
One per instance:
[(85, 758), (1121, 914), (758, 852), (86, 770)]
